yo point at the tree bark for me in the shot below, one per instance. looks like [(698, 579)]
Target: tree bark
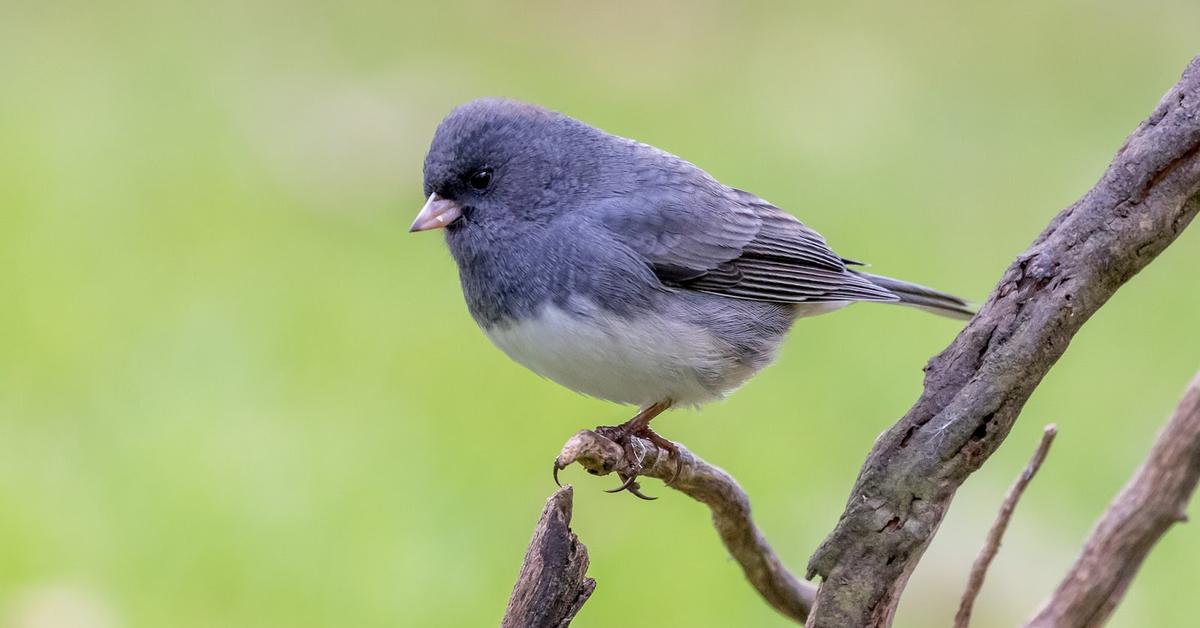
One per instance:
[(975, 389), (553, 583)]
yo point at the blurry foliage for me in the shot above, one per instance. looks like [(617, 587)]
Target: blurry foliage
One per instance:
[(234, 391)]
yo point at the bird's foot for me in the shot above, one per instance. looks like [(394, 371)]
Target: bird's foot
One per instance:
[(623, 435)]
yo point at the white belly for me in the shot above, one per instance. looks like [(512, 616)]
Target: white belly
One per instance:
[(640, 361)]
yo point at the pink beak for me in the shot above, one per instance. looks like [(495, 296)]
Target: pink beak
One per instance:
[(436, 214)]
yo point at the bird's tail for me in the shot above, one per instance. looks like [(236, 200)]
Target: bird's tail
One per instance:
[(921, 297)]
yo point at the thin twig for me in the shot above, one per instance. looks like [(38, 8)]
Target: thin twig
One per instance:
[(721, 493), (992, 544), (1155, 498)]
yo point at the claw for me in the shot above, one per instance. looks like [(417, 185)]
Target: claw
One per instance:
[(630, 481), (556, 470), (637, 491), (678, 470), (630, 484)]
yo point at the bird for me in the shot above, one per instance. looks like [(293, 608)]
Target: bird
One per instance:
[(622, 271)]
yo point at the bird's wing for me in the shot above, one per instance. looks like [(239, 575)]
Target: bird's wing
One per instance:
[(697, 234)]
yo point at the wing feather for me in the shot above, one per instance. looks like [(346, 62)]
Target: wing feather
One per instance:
[(697, 234)]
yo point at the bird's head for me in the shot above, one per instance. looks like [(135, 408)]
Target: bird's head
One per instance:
[(495, 161)]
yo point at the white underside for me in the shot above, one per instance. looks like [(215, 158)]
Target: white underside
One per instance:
[(646, 360), (640, 361)]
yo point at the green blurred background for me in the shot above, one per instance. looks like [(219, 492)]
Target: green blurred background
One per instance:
[(235, 392)]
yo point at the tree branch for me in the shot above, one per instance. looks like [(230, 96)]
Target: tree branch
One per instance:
[(975, 389), (1153, 500), (992, 545), (720, 492), (553, 583)]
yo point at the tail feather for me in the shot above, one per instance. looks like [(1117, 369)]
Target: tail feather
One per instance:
[(922, 297)]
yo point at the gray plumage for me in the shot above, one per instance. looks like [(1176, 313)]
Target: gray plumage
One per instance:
[(623, 271)]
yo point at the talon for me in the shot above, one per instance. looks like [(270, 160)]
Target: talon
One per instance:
[(630, 481), (637, 491), (678, 469), (556, 469)]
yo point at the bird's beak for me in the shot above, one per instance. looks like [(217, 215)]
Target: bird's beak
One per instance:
[(436, 214)]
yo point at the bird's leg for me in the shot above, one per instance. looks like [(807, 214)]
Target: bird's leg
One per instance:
[(639, 426)]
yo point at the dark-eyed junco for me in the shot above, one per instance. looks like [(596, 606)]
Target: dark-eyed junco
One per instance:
[(622, 271)]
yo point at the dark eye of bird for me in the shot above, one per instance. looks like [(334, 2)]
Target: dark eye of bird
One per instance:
[(481, 179)]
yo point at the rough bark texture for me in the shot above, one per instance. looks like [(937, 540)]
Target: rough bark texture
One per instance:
[(1153, 500), (991, 545), (975, 389), (721, 493), (553, 584)]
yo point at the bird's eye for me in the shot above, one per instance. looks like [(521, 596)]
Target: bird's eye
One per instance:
[(481, 179)]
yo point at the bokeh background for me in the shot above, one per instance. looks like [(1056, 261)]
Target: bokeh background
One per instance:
[(235, 392)]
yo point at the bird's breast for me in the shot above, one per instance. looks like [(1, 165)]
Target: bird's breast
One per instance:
[(639, 359), (512, 275), (500, 279)]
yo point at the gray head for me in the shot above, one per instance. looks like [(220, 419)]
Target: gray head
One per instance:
[(495, 161)]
